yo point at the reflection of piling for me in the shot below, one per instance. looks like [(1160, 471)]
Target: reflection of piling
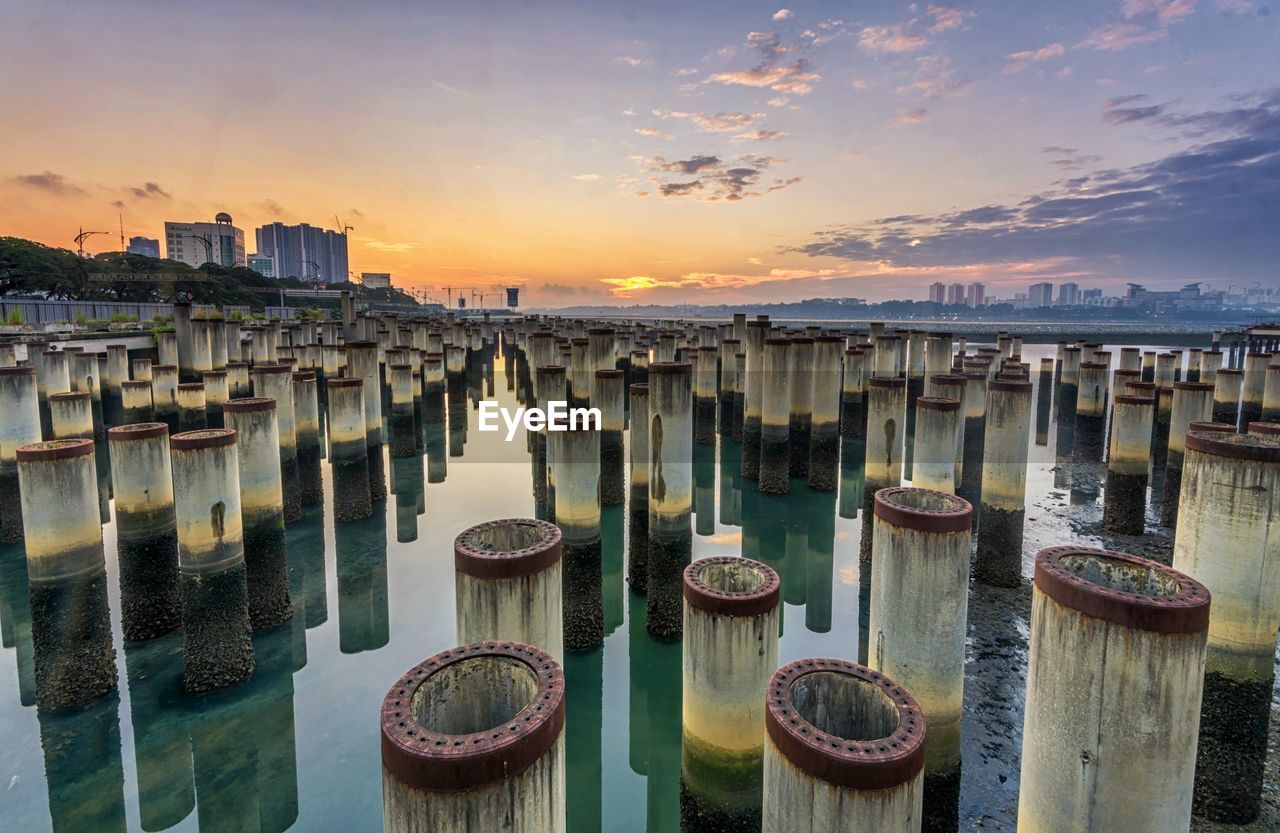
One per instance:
[(886, 405), (606, 394), (1192, 402), (753, 402), (1226, 539), (217, 650), (360, 551), (935, 461), (66, 574), (146, 531), (276, 382), (670, 494), (844, 750), (1004, 484), (775, 417), (576, 455), (19, 426), (507, 583), (348, 454), (473, 739), (824, 448), (1227, 386), (1091, 412), (191, 409), (362, 363), (800, 382), (918, 623), (1116, 753), (255, 422), (1128, 460), (638, 505), (306, 409), (731, 622)]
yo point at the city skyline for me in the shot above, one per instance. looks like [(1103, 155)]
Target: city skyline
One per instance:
[(730, 152)]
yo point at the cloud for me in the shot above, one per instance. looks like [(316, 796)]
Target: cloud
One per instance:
[(586, 177), (947, 17), (1127, 109), (709, 178), (1167, 12), (1070, 159), (685, 72), (150, 190), (49, 182), (385, 246), (1116, 36), (1018, 61), (652, 132), (1207, 210), (778, 101), (783, 14), (892, 39), (707, 282), (792, 77), (759, 136), (271, 207), (632, 61), (911, 115), (1235, 6), (935, 78)]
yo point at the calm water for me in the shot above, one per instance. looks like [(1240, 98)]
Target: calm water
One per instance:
[(297, 747)]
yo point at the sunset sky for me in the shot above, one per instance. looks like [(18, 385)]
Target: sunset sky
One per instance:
[(624, 152)]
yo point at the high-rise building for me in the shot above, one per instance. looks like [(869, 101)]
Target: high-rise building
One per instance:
[(955, 294), (977, 294), (305, 252), (1069, 295), (148, 246), (262, 264), (1040, 295), (196, 244), (375, 280), (937, 292)]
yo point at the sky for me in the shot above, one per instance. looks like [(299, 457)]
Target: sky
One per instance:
[(662, 152)]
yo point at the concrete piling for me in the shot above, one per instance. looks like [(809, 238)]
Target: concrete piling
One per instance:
[(935, 451), (1226, 539), (753, 402), (433, 394), (135, 398), (85, 378), (362, 363), (306, 410), (973, 434), (275, 381), (731, 625), (886, 407), (19, 426), (853, 416), (704, 396), (824, 447), (670, 495), (507, 584), (730, 388), (348, 455), (256, 424), (1192, 402), (1227, 386), (607, 395), (1091, 412), (400, 420), (1128, 461), (216, 393), (164, 395), (66, 574), (800, 368), (576, 457), (146, 530), (191, 407), (1253, 388), (1004, 484), (775, 418), (1113, 693), (844, 750), (638, 505), (918, 624), (474, 739), (217, 649)]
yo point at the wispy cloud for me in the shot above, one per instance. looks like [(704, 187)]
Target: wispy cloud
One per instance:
[(632, 61), (891, 39), (1018, 61), (586, 177), (935, 79), (911, 115), (385, 246), (791, 77), (150, 190), (1166, 12), (783, 14), (1070, 159), (653, 132), (709, 178), (49, 182), (1116, 36)]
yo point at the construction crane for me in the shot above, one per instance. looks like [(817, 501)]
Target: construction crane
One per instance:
[(449, 290), (345, 228), (83, 236)]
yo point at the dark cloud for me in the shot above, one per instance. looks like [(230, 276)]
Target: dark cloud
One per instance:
[(1070, 159), (715, 178), (49, 182), (1208, 211), (150, 190)]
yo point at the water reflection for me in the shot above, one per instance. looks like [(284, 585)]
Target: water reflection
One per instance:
[(83, 766), (15, 619), (363, 615)]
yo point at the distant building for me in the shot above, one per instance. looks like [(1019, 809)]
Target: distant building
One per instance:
[(305, 252), (938, 292), (148, 246), (375, 280), (977, 295), (1069, 295), (196, 244), (1020, 300), (955, 294), (1091, 297), (1040, 295), (262, 264)]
